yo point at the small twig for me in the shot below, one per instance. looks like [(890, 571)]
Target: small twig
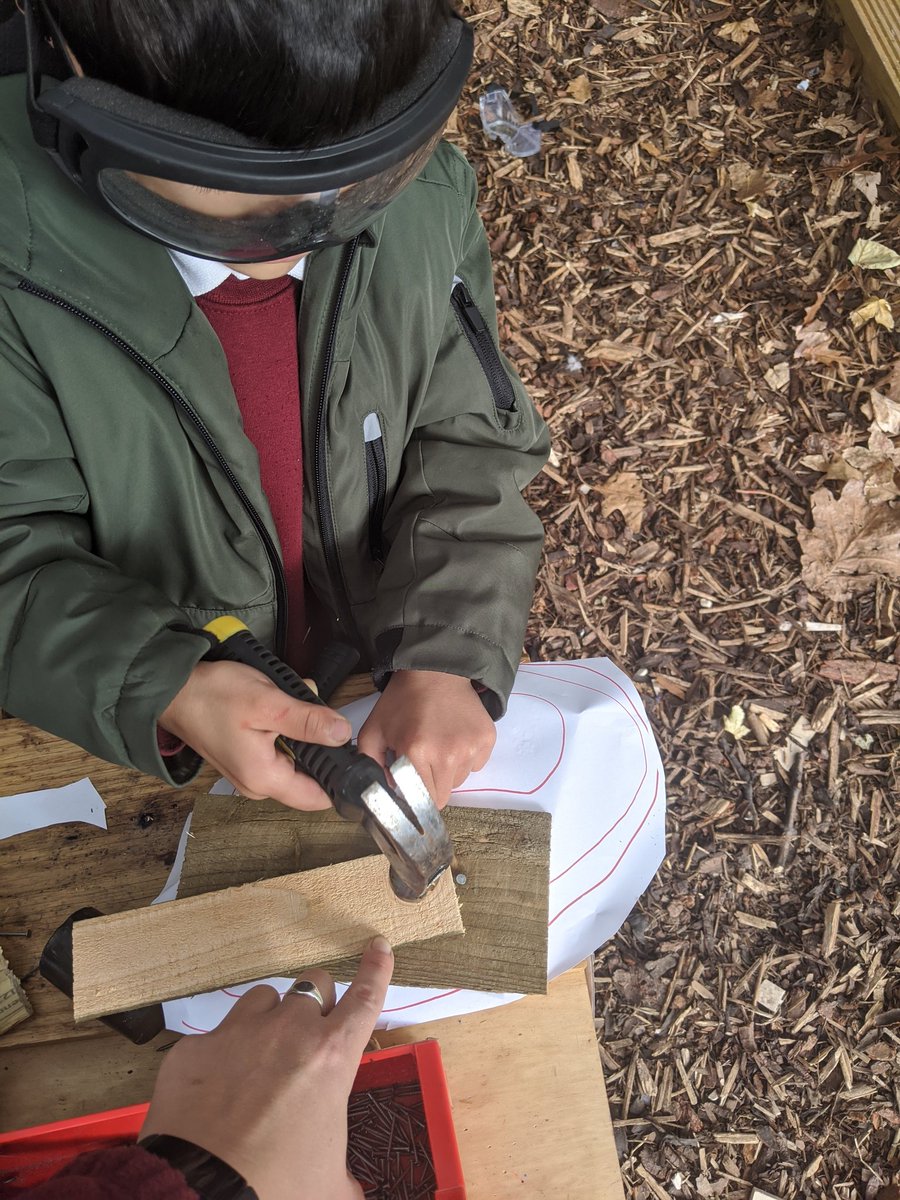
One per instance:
[(789, 833)]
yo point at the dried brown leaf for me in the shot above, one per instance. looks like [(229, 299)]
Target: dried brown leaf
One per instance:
[(748, 181), (877, 309), (843, 126), (580, 89), (885, 412), (624, 493), (812, 311), (738, 31), (814, 344), (838, 68), (851, 545)]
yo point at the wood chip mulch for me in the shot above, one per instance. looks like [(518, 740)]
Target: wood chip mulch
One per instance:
[(661, 267)]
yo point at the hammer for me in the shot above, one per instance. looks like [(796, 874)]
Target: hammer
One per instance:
[(398, 813)]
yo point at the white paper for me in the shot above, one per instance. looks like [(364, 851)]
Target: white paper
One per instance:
[(78, 801), (575, 742)]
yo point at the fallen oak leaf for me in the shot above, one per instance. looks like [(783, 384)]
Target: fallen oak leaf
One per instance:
[(738, 31), (624, 493), (748, 181), (852, 543), (838, 69), (814, 344), (843, 126)]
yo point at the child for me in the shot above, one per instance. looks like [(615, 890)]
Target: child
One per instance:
[(248, 365)]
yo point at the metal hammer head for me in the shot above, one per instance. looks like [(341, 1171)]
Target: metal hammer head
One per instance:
[(405, 824)]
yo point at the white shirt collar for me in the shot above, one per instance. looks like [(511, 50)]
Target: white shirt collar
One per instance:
[(202, 276)]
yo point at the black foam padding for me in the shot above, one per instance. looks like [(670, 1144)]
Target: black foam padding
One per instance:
[(13, 52)]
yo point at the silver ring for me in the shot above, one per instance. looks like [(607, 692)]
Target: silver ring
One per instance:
[(303, 987)]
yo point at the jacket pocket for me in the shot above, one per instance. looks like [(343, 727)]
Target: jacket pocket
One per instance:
[(479, 337), (376, 482)]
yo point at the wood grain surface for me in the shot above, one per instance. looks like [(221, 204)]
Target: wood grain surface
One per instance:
[(874, 26), (504, 856), (274, 927), (46, 874)]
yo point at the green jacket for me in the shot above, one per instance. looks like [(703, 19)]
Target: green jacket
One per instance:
[(130, 498)]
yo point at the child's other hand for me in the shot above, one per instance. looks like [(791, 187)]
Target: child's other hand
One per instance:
[(231, 714), (438, 722)]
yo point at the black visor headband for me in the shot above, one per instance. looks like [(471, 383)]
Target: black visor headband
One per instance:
[(88, 125)]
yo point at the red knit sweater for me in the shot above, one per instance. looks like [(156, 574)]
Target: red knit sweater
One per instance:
[(256, 322), (122, 1173)]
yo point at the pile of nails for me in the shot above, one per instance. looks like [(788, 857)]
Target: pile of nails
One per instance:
[(388, 1150)]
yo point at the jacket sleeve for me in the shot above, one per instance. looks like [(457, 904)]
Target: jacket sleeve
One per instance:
[(464, 545), (85, 653), (121, 1173)]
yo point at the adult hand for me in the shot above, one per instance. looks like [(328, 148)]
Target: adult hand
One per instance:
[(267, 1090), (438, 722), (231, 714)]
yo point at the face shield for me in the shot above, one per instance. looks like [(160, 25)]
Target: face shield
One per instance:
[(206, 190)]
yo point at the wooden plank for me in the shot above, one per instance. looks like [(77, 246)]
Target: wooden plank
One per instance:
[(66, 867), (504, 855), (274, 927), (14, 1006), (529, 1104), (874, 26), (57, 870)]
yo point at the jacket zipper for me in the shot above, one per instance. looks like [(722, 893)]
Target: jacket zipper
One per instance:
[(323, 500), (475, 328), (376, 483), (268, 545)]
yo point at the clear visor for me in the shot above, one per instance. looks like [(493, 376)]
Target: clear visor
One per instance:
[(248, 227)]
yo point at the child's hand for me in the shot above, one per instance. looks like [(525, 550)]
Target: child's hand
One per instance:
[(231, 714), (438, 722)]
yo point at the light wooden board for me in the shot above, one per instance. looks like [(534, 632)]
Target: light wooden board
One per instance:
[(275, 927), (505, 857), (57, 870), (529, 1103), (14, 1005), (874, 26)]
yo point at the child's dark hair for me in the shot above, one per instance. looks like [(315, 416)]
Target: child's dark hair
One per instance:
[(288, 72)]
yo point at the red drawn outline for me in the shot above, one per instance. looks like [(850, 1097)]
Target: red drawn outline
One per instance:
[(631, 803), (547, 778), (196, 1028), (615, 865), (525, 668), (427, 1000)]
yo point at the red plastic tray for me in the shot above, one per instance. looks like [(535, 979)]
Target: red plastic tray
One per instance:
[(29, 1156)]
